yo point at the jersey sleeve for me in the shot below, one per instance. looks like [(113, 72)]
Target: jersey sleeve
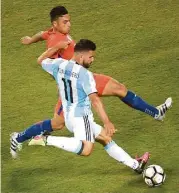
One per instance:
[(45, 35), (51, 66), (88, 83)]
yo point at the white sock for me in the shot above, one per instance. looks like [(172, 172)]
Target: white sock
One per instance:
[(120, 155), (67, 143)]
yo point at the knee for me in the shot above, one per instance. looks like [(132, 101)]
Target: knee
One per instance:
[(117, 88), (87, 150), (86, 153), (120, 90), (57, 123)]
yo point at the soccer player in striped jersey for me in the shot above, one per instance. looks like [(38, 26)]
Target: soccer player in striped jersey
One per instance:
[(77, 89)]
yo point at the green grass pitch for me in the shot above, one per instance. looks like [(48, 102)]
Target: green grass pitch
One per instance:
[(137, 44)]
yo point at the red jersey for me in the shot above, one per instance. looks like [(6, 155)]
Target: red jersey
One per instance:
[(52, 38)]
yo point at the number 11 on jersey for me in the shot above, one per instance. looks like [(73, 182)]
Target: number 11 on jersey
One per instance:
[(67, 84)]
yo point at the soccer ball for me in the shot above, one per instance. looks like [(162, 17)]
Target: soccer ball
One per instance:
[(154, 175)]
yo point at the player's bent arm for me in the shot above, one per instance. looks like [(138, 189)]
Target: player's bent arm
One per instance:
[(47, 54), (27, 40), (99, 108), (51, 51)]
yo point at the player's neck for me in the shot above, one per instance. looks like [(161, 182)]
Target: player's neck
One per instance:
[(77, 60)]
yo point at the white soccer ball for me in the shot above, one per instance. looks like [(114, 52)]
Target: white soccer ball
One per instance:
[(154, 175)]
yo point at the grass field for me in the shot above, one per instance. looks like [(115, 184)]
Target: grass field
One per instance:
[(137, 44)]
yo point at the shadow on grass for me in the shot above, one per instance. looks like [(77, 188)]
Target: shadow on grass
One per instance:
[(23, 180)]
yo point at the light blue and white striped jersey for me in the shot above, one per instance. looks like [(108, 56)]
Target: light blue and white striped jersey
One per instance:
[(75, 83)]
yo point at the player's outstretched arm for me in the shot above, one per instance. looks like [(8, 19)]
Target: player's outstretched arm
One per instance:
[(27, 40), (99, 108)]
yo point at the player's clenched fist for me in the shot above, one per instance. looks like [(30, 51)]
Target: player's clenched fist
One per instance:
[(62, 44), (110, 129)]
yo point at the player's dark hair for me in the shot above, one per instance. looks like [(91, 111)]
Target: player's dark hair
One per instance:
[(57, 12), (85, 45)]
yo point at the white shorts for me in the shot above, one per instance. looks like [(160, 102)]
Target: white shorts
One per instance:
[(84, 128)]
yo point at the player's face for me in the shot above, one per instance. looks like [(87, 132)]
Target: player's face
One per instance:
[(88, 58), (62, 24)]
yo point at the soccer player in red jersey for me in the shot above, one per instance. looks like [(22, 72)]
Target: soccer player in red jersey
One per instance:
[(60, 44)]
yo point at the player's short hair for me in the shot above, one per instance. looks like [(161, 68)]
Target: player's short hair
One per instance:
[(85, 45), (57, 12)]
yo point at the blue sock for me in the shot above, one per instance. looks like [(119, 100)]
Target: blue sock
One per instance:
[(139, 104), (34, 130)]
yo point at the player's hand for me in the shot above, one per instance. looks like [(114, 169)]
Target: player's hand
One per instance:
[(110, 129), (26, 40), (62, 45)]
